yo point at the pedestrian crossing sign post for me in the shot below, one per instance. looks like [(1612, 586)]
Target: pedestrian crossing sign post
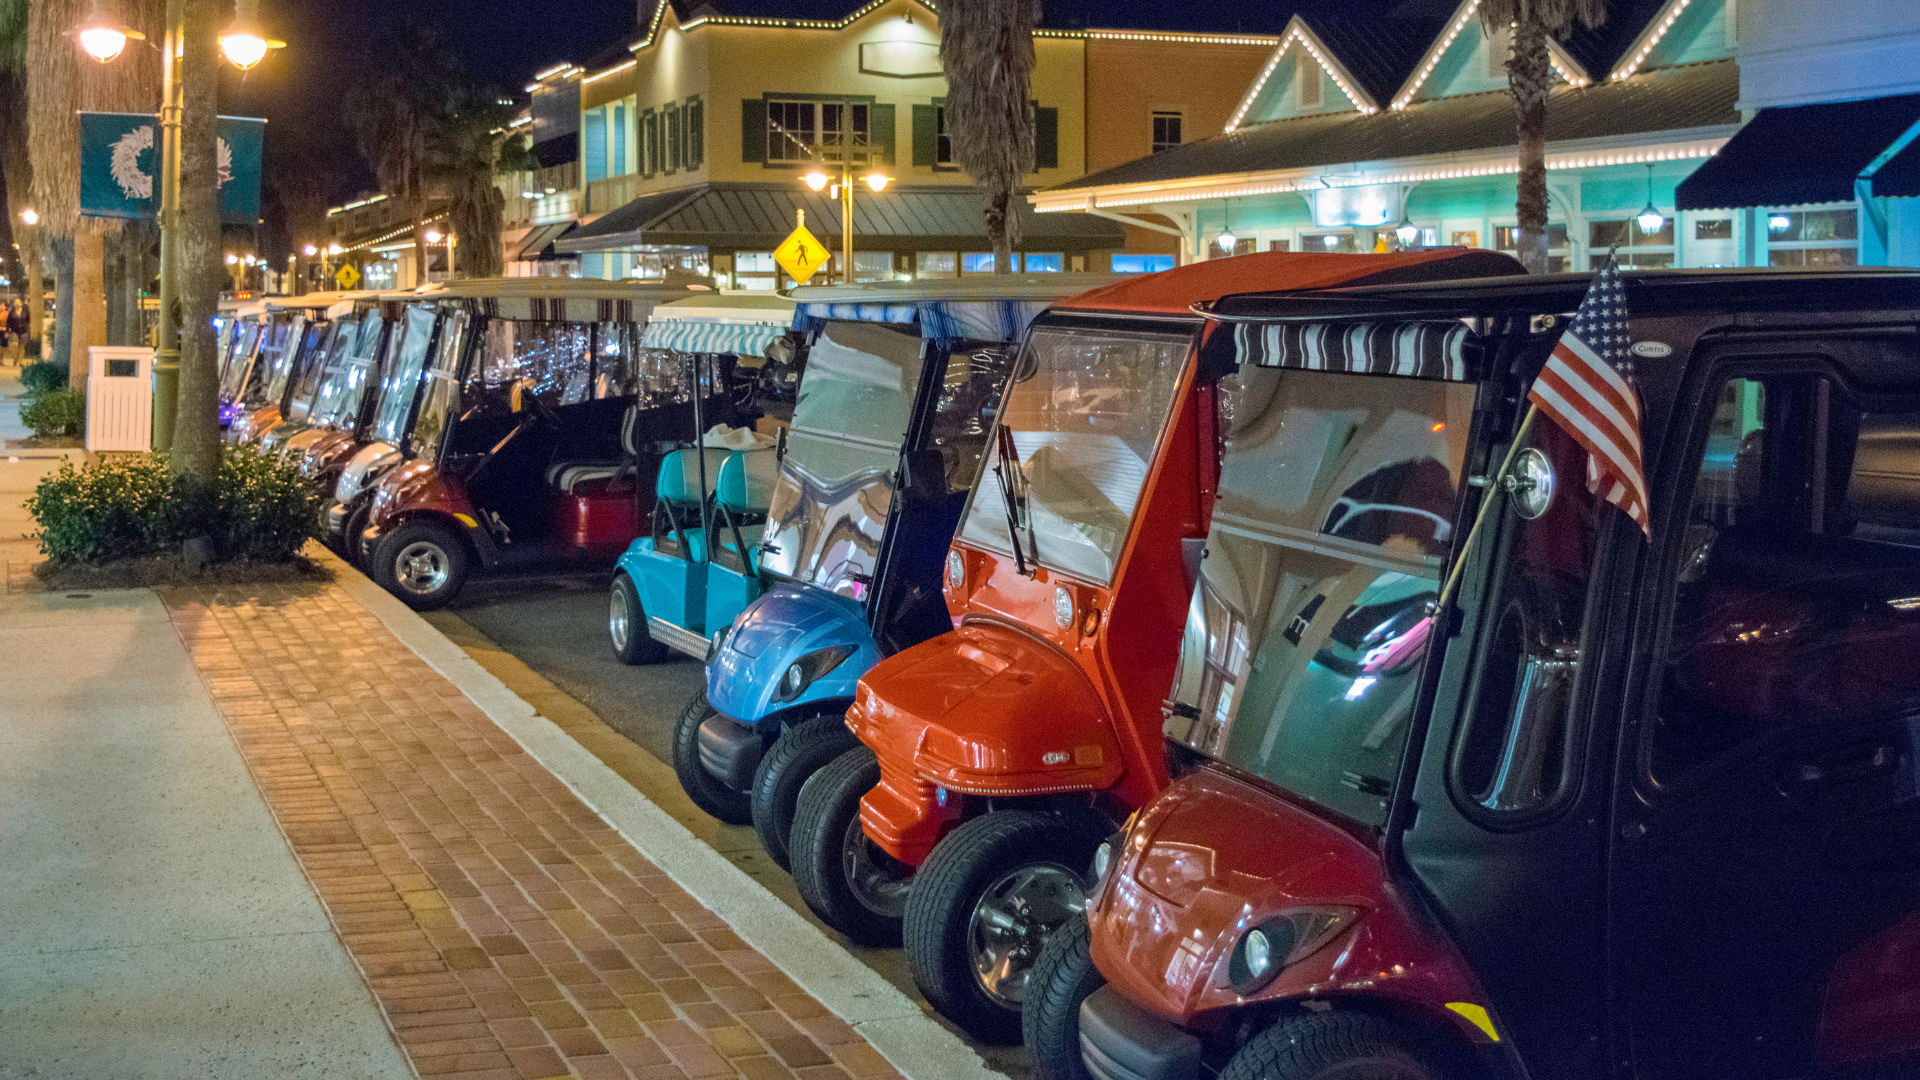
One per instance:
[(347, 276), (800, 254)]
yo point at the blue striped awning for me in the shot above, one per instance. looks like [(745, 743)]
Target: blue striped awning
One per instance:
[(978, 320), (709, 336), (1418, 350)]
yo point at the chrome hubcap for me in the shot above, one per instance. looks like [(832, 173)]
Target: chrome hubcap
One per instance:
[(878, 881), (1011, 922), (618, 621), (421, 567)]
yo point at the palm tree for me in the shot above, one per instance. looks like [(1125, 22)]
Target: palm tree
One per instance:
[(986, 47), (465, 153), (14, 164), (1529, 78)]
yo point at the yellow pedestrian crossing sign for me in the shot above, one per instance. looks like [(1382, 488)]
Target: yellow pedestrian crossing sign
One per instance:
[(800, 254), (347, 276)]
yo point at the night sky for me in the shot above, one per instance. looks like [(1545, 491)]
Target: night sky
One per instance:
[(300, 89)]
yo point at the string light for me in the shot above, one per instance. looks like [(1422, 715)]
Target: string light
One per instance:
[(1651, 38), (1432, 59), (1298, 31)]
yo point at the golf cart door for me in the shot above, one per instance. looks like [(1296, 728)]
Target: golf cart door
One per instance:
[(1507, 839), (1766, 864)]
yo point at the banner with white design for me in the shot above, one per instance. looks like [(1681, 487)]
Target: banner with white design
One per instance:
[(120, 166)]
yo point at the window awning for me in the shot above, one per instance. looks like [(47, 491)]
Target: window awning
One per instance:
[(981, 320), (1800, 154), (538, 242), (1413, 350)]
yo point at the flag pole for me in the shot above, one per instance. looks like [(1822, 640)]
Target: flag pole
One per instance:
[(1486, 504)]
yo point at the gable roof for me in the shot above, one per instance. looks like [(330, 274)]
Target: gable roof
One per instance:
[(1601, 48), (1380, 52)]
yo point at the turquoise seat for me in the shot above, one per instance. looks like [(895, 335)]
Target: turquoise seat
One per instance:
[(677, 498), (741, 499)]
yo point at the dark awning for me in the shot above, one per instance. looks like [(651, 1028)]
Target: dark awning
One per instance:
[(1901, 174), (538, 242), (1799, 154), (759, 216)]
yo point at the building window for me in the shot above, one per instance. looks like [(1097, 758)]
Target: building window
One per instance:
[(1559, 249), (1241, 246), (1279, 245), (1638, 248), (976, 262), (1333, 241), (754, 270), (696, 116), (798, 130), (676, 138), (1141, 264), (940, 264), (1166, 131), (833, 138), (942, 145), (1309, 83), (1045, 263), (1813, 237)]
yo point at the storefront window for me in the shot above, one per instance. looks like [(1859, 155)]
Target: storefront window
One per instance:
[(1813, 237), (1333, 241), (1559, 245), (937, 264), (1142, 264), (977, 262), (1638, 248)]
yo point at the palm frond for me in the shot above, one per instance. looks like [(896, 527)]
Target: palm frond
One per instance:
[(1556, 17), (986, 48), (61, 82)]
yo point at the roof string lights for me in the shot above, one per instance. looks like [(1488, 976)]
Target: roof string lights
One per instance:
[(1650, 37), (1432, 59), (1069, 201), (614, 70), (1298, 31)]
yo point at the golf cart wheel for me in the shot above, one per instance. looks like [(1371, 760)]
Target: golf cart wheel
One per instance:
[(845, 878), (423, 563), (627, 625), (802, 750), (704, 788), (349, 548), (1061, 979), (985, 902), (1333, 1046)]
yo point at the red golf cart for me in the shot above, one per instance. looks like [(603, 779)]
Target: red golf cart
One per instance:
[(1614, 806), (998, 756)]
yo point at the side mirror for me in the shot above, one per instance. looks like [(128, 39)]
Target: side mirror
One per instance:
[(923, 475), (779, 447)]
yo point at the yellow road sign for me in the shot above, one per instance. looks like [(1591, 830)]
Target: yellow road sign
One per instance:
[(800, 254), (347, 276)]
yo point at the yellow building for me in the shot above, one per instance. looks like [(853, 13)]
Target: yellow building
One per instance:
[(693, 145)]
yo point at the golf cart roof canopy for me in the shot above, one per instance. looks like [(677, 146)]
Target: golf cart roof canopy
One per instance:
[(986, 307), (546, 299), (743, 324), (1174, 292)]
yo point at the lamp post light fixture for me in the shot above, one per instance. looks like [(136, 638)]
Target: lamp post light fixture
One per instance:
[(841, 187), (241, 42), (1650, 219), (102, 37), (30, 216), (1406, 232)]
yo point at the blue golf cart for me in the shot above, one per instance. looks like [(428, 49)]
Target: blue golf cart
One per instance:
[(895, 406)]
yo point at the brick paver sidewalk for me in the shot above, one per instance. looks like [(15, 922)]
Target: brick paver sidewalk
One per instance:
[(506, 930)]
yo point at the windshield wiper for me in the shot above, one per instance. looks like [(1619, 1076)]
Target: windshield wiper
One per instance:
[(1013, 492)]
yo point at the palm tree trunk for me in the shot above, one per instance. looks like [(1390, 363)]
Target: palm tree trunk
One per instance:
[(998, 234), (1529, 77), (196, 434), (60, 264)]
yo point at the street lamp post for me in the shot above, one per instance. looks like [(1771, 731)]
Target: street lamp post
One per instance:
[(849, 141)]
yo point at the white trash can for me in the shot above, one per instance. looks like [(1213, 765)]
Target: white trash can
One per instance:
[(119, 398)]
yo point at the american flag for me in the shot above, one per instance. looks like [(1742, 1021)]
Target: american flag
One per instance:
[(1585, 390)]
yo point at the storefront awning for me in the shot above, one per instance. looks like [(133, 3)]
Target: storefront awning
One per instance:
[(539, 240), (758, 216), (1799, 154), (1414, 350), (978, 320), (1900, 176)]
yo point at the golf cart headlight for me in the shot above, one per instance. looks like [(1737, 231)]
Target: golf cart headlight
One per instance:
[(719, 642), (1063, 607), (802, 672), (956, 571), (1285, 939), (1102, 860)]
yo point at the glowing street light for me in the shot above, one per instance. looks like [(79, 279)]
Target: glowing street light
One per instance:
[(104, 38), (30, 216), (241, 42), (1650, 219), (816, 180), (309, 251), (232, 258), (333, 249), (1407, 231), (433, 236), (878, 182)]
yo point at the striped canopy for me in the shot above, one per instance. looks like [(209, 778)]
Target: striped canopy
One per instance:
[(977, 320), (1417, 350), (710, 336)]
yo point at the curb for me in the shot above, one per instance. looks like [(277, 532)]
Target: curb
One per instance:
[(892, 1024)]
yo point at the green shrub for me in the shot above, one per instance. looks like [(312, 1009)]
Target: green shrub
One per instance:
[(43, 377), (134, 507), (56, 413)]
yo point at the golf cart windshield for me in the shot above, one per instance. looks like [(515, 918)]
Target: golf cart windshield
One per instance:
[(835, 488), (403, 374), (349, 371), (285, 341), (246, 338), (1085, 412), (323, 346), (1304, 642), (441, 392)]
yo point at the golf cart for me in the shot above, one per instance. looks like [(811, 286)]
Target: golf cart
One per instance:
[(291, 373), (1614, 804), (329, 392), (901, 384), (240, 339), (535, 423), (998, 755)]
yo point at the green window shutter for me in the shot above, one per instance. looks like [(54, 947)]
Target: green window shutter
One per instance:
[(925, 135), (675, 140), (880, 130), (753, 130), (696, 133), (1046, 139)]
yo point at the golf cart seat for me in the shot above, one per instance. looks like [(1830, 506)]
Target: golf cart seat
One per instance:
[(677, 498), (741, 497), (567, 476)]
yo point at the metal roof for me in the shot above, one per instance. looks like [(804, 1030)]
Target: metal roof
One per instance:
[(1671, 99), (761, 215), (1379, 53), (1192, 17)]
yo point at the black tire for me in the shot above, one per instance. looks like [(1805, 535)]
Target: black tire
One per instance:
[(1034, 867), (849, 883), (1333, 1046), (802, 750), (704, 788), (1061, 979), (627, 625), (423, 563), (350, 542)]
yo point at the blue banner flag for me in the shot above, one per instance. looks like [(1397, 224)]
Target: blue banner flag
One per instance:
[(120, 166)]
